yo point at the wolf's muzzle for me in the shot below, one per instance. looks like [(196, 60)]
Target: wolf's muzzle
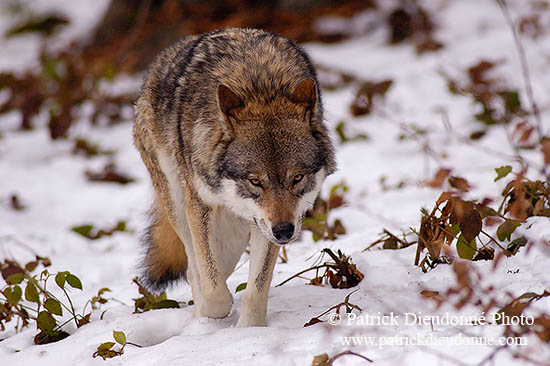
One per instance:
[(283, 231)]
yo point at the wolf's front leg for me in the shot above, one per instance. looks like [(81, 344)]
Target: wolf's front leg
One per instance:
[(210, 292), (263, 256)]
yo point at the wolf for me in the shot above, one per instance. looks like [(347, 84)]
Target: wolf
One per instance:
[(230, 127)]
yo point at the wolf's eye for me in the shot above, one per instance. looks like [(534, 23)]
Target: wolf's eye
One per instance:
[(298, 178), (255, 182)]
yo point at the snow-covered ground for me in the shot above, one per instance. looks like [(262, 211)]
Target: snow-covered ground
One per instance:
[(51, 182)]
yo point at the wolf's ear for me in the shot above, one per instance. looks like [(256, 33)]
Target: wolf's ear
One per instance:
[(305, 94), (229, 102)]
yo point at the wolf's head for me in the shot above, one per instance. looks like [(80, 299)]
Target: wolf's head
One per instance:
[(277, 158)]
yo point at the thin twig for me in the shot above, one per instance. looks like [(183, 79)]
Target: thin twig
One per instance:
[(348, 352), (526, 76), (307, 270), (134, 344), (524, 68), (412, 134), (46, 293), (467, 141), (506, 251), (337, 307), (491, 355), (73, 311), (530, 360)]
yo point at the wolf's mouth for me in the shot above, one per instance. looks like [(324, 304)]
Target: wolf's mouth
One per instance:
[(269, 235)]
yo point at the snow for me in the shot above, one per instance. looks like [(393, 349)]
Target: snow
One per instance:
[(83, 17), (50, 181)]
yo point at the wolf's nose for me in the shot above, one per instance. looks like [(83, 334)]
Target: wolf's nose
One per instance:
[(283, 231)]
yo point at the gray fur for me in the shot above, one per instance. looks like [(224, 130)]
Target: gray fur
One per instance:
[(218, 112), (258, 66)]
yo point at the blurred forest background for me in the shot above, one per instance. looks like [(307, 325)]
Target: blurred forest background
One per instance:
[(132, 32)]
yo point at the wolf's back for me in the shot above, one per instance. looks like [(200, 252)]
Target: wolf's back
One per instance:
[(256, 65)]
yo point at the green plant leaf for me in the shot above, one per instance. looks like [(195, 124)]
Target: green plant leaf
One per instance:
[(120, 226), (31, 293), (84, 230), (13, 294), (74, 281), (105, 346), (31, 266), (514, 246), (110, 71), (502, 171), (528, 295), (465, 250), (15, 279), (166, 304), (487, 116), (241, 287), (512, 103), (60, 279), (53, 306), (119, 337), (340, 132), (103, 290), (499, 319), (45, 24), (45, 322), (486, 211), (505, 230), (50, 337), (455, 228), (84, 320), (320, 216)]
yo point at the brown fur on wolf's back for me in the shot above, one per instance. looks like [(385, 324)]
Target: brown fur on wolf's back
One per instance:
[(260, 67), (256, 65)]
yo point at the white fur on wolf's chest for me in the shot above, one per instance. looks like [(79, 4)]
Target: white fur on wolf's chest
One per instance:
[(228, 196), (231, 234)]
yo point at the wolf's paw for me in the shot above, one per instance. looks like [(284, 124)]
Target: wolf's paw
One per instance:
[(254, 320), (216, 304)]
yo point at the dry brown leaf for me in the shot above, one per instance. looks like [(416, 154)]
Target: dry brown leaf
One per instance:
[(459, 183), (520, 208), (312, 321), (470, 222), (486, 254), (526, 134), (478, 72), (364, 98), (317, 281), (109, 174), (16, 203), (545, 148), (445, 196), (320, 360), (439, 178), (542, 324), (434, 246), (428, 293), (491, 221)]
